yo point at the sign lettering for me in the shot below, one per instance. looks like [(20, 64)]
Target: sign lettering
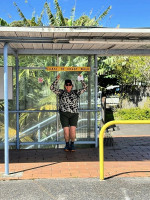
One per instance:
[(74, 69)]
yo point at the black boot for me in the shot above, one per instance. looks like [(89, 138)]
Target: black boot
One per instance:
[(67, 147), (72, 147)]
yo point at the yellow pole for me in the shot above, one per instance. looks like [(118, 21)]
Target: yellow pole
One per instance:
[(101, 139)]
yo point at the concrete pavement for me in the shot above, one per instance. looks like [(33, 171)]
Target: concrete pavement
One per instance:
[(131, 130), (76, 189)]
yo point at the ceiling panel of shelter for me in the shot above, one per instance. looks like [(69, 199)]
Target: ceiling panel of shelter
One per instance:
[(47, 46), (97, 34), (2, 33), (142, 46), (84, 34), (7, 33), (36, 34), (135, 35), (37, 45), (16, 46), (109, 46), (22, 34), (112, 35), (109, 34), (146, 35), (67, 46), (101, 46), (77, 46), (72, 34), (1, 45), (60, 35), (132, 46), (121, 46), (27, 46), (57, 46), (87, 46), (121, 34), (48, 34)]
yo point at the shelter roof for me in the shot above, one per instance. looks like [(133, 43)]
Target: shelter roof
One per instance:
[(76, 40)]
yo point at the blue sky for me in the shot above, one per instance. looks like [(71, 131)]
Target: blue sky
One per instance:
[(126, 13)]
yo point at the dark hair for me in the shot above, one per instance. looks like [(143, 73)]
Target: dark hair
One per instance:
[(68, 81)]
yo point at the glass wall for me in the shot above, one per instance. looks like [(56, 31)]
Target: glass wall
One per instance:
[(38, 105), (12, 106)]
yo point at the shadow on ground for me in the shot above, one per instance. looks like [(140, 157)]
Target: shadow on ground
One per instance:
[(124, 149)]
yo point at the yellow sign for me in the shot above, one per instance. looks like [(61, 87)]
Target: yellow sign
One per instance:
[(73, 69)]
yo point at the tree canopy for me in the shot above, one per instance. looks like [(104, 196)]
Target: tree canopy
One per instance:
[(57, 18), (129, 70)]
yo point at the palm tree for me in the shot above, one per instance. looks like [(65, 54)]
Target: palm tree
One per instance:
[(57, 18), (3, 22)]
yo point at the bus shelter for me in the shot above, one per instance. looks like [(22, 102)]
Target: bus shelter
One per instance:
[(29, 111)]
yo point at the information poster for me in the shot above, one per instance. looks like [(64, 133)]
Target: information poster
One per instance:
[(10, 83)]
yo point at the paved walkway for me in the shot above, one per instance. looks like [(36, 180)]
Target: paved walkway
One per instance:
[(128, 157), (136, 188)]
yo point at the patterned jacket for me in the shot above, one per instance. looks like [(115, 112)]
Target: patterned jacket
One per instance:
[(68, 101)]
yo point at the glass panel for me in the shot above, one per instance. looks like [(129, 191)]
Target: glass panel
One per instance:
[(1, 129), (35, 84), (35, 93), (85, 128), (11, 60), (12, 102), (86, 99), (38, 127), (12, 129), (12, 106), (37, 61)]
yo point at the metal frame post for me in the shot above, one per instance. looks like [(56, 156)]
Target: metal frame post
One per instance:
[(6, 114), (89, 97), (39, 135), (57, 115), (17, 102), (96, 85)]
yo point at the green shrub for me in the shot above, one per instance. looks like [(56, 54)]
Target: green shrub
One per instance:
[(132, 114)]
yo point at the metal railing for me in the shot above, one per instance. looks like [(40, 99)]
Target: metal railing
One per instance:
[(38, 127), (35, 127), (40, 141), (101, 139)]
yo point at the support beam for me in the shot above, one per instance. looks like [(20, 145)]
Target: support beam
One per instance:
[(96, 86), (103, 52), (17, 101), (6, 116), (57, 114), (89, 97)]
